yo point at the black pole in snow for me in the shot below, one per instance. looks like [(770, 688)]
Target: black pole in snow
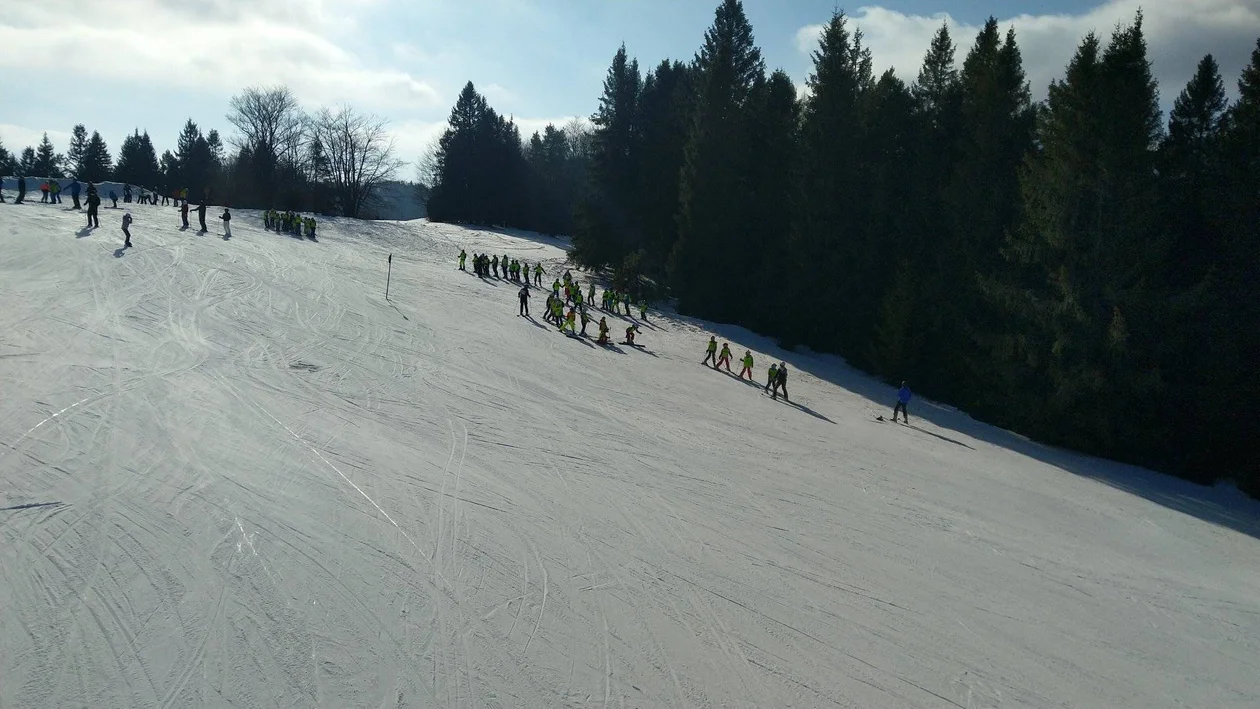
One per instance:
[(388, 271)]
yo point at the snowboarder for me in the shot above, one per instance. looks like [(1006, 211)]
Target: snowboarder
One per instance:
[(603, 331), (524, 297), (710, 353), (201, 216), (772, 375), (113, 197), (903, 398), (630, 331), (724, 359), (93, 204), (127, 229), (463, 256), (747, 361), (227, 222), (780, 382)]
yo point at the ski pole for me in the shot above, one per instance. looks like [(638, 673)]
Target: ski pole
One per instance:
[(389, 269)]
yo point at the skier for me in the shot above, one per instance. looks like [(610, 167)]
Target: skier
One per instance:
[(113, 197), (724, 359), (771, 376), (75, 190), (903, 398), (748, 365), (126, 229), (643, 310), (538, 274), (21, 190), (711, 352), (586, 319), (780, 382), (183, 212), (524, 296), (463, 256), (201, 216), (590, 294), (603, 331), (54, 187), (227, 222), (93, 204), (569, 321), (494, 265), (314, 224), (630, 331)]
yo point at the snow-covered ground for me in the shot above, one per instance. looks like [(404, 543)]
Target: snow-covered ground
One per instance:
[(233, 474)]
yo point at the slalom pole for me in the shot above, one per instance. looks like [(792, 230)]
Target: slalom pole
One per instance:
[(389, 269)]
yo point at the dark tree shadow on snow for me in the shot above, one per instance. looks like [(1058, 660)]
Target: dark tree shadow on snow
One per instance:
[(1220, 505)]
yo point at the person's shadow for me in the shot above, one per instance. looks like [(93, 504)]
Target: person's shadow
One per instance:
[(120, 252), (83, 233)]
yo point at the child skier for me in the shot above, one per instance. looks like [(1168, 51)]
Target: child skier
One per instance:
[(603, 331), (463, 256), (748, 365), (710, 354), (630, 331), (724, 359), (127, 229), (771, 376), (780, 383), (227, 222)]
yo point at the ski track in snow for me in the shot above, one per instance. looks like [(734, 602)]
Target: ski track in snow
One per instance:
[(233, 474)]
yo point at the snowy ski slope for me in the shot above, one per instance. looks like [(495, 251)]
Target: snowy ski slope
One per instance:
[(233, 475)]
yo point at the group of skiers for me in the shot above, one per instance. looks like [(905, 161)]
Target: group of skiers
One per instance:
[(776, 378), (485, 266), (572, 297), (289, 222)]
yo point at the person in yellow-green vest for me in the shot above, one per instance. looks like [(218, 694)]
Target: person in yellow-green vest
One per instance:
[(748, 365), (710, 353)]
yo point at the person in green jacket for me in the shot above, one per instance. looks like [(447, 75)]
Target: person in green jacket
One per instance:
[(773, 374), (463, 256), (724, 358), (710, 352), (748, 365), (643, 310)]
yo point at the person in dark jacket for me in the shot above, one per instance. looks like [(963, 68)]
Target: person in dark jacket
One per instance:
[(21, 190), (227, 222), (75, 188), (93, 204), (113, 196), (780, 382), (201, 216), (523, 295), (127, 230), (183, 213), (126, 194)]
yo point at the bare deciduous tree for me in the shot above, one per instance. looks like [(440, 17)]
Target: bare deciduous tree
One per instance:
[(359, 154), (271, 119)]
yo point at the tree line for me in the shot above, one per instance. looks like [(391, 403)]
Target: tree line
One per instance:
[(1077, 270), (282, 157)]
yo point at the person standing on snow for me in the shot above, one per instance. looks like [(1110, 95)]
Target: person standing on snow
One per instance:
[(586, 319), (494, 265), (127, 229), (710, 353), (43, 188), (21, 190), (463, 256), (227, 222), (524, 297), (54, 187), (724, 359), (538, 274), (903, 398), (771, 376), (126, 194), (570, 321), (183, 212), (780, 382), (748, 365), (603, 331), (201, 216), (113, 197), (93, 204), (75, 190)]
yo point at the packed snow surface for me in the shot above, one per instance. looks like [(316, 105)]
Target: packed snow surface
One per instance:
[(232, 474)]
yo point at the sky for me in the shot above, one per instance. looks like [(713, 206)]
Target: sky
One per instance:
[(152, 64)]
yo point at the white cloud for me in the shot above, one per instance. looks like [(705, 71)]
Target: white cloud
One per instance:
[(1178, 35), (18, 137), (221, 44)]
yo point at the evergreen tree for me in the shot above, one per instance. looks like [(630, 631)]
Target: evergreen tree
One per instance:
[(137, 161), (828, 244), (480, 167), (8, 165), (48, 161), (606, 224), (665, 109), (196, 161), (26, 166), (716, 199), (96, 163), (1085, 319), (78, 146)]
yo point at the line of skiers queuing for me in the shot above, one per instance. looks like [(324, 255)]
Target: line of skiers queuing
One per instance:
[(289, 223), (511, 269)]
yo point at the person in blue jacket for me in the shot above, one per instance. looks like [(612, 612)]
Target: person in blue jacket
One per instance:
[(75, 188), (903, 398)]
